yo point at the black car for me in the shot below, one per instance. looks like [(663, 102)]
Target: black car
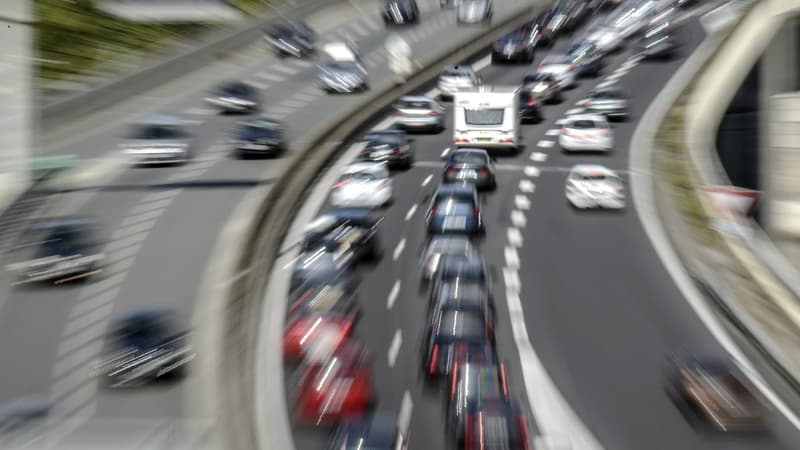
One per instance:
[(400, 12), (291, 38), (259, 137), (454, 209), (587, 59), (391, 146), (460, 269), (234, 97), (453, 337), (529, 111), (470, 165), (377, 432), (345, 230), (494, 424), (515, 46), (658, 43), (464, 294), (64, 249), (146, 346)]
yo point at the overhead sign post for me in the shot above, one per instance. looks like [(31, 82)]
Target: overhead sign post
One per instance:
[(732, 205)]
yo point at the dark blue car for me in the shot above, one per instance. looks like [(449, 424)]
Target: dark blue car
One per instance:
[(586, 58), (378, 432), (259, 137)]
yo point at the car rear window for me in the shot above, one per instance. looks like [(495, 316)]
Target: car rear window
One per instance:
[(539, 77), (157, 132), (453, 208), (415, 104), (484, 116), (454, 73), (377, 139), (467, 158), (586, 124)]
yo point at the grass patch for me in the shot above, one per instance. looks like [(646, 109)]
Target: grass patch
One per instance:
[(74, 40)]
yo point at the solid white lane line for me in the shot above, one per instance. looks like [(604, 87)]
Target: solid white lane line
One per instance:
[(511, 279), (538, 157), (546, 143), (393, 295), (394, 347), (522, 202), (552, 132), (411, 212), (606, 84), (482, 63), (404, 417), (512, 257), (533, 171), (427, 180), (270, 77), (518, 219), (399, 249), (514, 237), (445, 152), (526, 186)]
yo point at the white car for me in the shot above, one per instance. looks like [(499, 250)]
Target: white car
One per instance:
[(594, 186), (363, 185), (606, 39), (586, 132), (561, 67)]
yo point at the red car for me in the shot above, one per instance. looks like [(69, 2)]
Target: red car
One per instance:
[(305, 331), (495, 424), (336, 389)]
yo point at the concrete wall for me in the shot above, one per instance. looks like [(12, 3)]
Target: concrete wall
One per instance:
[(782, 155)]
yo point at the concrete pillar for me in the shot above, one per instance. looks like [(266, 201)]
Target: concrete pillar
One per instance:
[(16, 75)]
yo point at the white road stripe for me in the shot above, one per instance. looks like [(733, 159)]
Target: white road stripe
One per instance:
[(538, 157), (133, 229), (130, 220), (445, 152), (394, 347), (560, 122), (86, 306), (546, 143), (399, 249), (512, 257), (83, 356), (271, 77), (518, 219), (257, 84), (552, 132), (526, 186), (155, 196), (514, 237), (573, 111), (606, 84), (285, 69), (532, 171), (482, 63), (404, 417), (511, 279), (427, 180), (190, 122), (522, 202), (292, 103), (393, 295), (307, 97), (411, 212), (280, 111), (132, 240), (197, 111)]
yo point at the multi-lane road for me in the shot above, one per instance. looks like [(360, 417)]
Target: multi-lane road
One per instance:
[(596, 307), (161, 224)]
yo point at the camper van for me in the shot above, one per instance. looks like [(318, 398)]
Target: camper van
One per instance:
[(487, 118)]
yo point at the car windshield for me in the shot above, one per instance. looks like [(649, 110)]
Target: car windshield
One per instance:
[(461, 325), (467, 158), (484, 116), (148, 131), (450, 246), (591, 177), (453, 208), (414, 104), (463, 291)]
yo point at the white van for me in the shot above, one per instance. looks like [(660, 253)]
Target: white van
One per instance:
[(487, 118)]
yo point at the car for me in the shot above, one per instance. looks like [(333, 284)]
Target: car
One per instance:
[(605, 38), (306, 334), (460, 268), (442, 246), (234, 97), (322, 266), (609, 101), (457, 78), (336, 387), (470, 165), (587, 59), (474, 11), (464, 294), (375, 432), (453, 337), (363, 185), (143, 347), (262, 136), (546, 36), (343, 77), (400, 12), (465, 195), (330, 298), (714, 391), (529, 111), (495, 424), (454, 216), (562, 68), (345, 231), (594, 186), (418, 113), (157, 140), (685, 3), (532, 32), (577, 11), (659, 43), (515, 46), (65, 249), (458, 191), (544, 86), (291, 38), (472, 383), (586, 132), (390, 146)]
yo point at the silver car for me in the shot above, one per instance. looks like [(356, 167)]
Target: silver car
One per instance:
[(456, 79), (158, 140), (441, 246), (343, 77), (418, 113), (474, 11)]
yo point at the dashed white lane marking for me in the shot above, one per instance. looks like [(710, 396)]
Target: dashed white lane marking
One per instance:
[(302, 63), (257, 85), (280, 111), (307, 97), (190, 122), (445, 152), (533, 171), (156, 196), (635, 59), (522, 202), (197, 111), (512, 257), (360, 29), (511, 279), (526, 186), (393, 295), (130, 220), (292, 103), (285, 69), (394, 347), (552, 132), (482, 63), (606, 84), (411, 212), (514, 237), (546, 143), (573, 111), (614, 76), (538, 157), (427, 180), (270, 77), (518, 219), (404, 417), (399, 249), (560, 122)]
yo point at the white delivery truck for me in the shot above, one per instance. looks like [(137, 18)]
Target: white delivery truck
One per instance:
[(487, 117)]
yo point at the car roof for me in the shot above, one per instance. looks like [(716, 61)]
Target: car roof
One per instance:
[(415, 98), (159, 119), (592, 168), (594, 117)]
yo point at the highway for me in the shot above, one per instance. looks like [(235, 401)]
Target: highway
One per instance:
[(596, 302), (161, 224)]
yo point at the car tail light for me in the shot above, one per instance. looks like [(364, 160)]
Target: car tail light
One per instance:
[(397, 112), (531, 101), (468, 425), (401, 150), (434, 359), (506, 141), (586, 103), (480, 429), (460, 141), (503, 379), (523, 432), (386, 183), (341, 183), (566, 132), (476, 212), (484, 170), (453, 380), (605, 132), (451, 170), (433, 113)]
